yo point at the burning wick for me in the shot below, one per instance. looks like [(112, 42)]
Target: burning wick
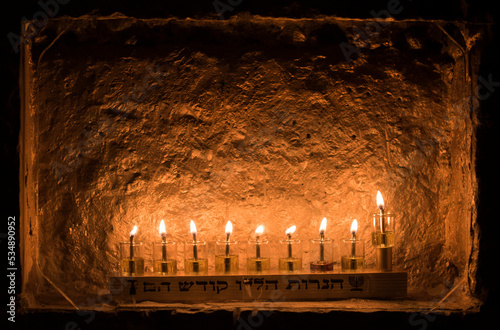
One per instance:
[(229, 230), (322, 229), (195, 243), (163, 233), (132, 234), (380, 205), (196, 266), (131, 262), (227, 261), (258, 232), (354, 229), (289, 233)]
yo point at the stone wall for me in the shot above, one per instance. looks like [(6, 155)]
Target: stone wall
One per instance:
[(255, 120)]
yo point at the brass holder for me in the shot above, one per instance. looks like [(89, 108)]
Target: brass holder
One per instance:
[(384, 259)]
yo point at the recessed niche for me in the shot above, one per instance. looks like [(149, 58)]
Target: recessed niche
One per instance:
[(255, 120)]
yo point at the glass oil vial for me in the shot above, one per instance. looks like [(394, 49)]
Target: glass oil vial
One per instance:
[(165, 258), (226, 257), (131, 259), (195, 258)]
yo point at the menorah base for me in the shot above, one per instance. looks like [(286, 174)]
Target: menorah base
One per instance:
[(265, 287)]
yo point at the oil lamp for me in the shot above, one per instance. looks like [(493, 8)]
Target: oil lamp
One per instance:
[(164, 254), (131, 256), (291, 253), (353, 252), (258, 260), (225, 262), (383, 235), (322, 249), (195, 260)]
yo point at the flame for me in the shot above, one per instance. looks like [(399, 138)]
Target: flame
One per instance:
[(380, 201), (322, 227), (229, 228), (192, 226), (259, 231), (134, 231), (163, 230), (354, 227), (291, 230)]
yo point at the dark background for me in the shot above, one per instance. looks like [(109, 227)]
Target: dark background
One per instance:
[(487, 153)]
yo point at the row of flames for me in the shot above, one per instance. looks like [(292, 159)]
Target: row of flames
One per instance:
[(260, 229)]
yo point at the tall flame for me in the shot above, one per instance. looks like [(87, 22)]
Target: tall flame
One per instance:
[(163, 230), (192, 227), (322, 227), (229, 228), (134, 231), (291, 230), (354, 227), (259, 231), (380, 201)]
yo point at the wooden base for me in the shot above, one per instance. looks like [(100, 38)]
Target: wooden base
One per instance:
[(272, 287)]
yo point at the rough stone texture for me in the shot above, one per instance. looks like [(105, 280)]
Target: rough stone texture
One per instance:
[(253, 120)]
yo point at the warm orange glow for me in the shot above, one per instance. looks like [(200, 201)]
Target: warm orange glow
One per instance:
[(380, 200), (134, 231), (192, 226), (259, 231), (229, 228), (322, 227), (291, 230), (163, 230), (354, 226)]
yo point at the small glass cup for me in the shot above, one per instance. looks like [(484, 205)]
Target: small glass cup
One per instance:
[(195, 258), (258, 260), (131, 259), (290, 256), (352, 253), (383, 230), (226, 257), (165, 258), (322, 254)]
